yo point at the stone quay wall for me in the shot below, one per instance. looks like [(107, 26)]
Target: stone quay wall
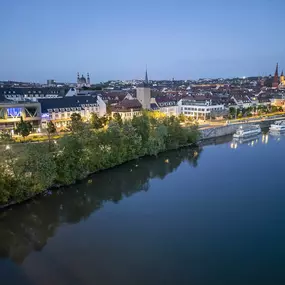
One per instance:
[(230, 129)]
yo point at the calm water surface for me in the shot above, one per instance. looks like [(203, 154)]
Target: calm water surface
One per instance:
[(210, 216)]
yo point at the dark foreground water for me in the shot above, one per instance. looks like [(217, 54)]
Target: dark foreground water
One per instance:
[(211, 216)]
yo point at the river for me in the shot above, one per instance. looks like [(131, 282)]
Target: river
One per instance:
[(213, 215)]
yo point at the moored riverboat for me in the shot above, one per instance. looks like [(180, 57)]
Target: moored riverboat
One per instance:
[(247, 131), (278, 126)]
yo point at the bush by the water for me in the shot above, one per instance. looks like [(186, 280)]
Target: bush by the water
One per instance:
[(85, 150)]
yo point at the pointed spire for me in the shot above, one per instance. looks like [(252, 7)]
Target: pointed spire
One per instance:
[(146, 77), (276, 78), (276, 71), (282, 74)]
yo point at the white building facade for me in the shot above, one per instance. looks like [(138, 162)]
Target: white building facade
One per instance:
[(59, 111), (199, 109)]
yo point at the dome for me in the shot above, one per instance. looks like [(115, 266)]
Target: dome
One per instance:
[(82, 79)]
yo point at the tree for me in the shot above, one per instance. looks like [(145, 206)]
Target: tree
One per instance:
[(274, 109), (232, 112), (104, 120), (117, 118), (96, 122), (23, 128), (108, 109), (182, 118), (76, 124), (51, 129), (142, 126)]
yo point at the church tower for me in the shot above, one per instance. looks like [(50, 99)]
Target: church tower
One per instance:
[(143, 93), (276, 78), (88, 80), (146, 77), (77, 78)]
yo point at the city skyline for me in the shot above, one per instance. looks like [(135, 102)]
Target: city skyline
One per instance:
[(185, 40)]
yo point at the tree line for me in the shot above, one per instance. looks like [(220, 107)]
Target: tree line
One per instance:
[(87, 149), (250, 111)]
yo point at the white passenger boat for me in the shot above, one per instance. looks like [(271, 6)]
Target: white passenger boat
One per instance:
[(247, 131), (278, 126)]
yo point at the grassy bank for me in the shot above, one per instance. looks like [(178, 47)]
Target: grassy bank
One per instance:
[(84, 151)]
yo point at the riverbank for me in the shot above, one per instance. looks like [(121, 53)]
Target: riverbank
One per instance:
[(76, 156)]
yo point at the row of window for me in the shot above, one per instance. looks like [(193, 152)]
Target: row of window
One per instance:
[(30, 92), (56, 110), (167, 104), (203, 109), (65, 115), (193, 109), (32, 95), (129, 114)]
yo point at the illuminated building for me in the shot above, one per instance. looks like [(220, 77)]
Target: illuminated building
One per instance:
[(11, 113), (201, 109), (60, 110)]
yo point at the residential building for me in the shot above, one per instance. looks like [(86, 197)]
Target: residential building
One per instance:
[(60, 110), (166, 105), (128, 109)]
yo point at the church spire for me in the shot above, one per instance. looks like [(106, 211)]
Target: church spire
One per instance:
[(276, 78), (146, 77), (282, 74), (276, 71)]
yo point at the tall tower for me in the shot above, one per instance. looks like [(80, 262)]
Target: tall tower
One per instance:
[(143, 93), (77, 77), (146, 77), (88, 79), (276, 78)]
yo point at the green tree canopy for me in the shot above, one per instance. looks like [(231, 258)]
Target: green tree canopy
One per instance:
[(51, 129), (23, 128), (95, 121), (76, 124), (117, 118)]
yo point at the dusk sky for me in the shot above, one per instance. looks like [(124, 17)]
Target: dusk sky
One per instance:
[(115, 39)]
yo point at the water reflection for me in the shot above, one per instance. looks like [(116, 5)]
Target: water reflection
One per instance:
[(253, 141), (27, 227)]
